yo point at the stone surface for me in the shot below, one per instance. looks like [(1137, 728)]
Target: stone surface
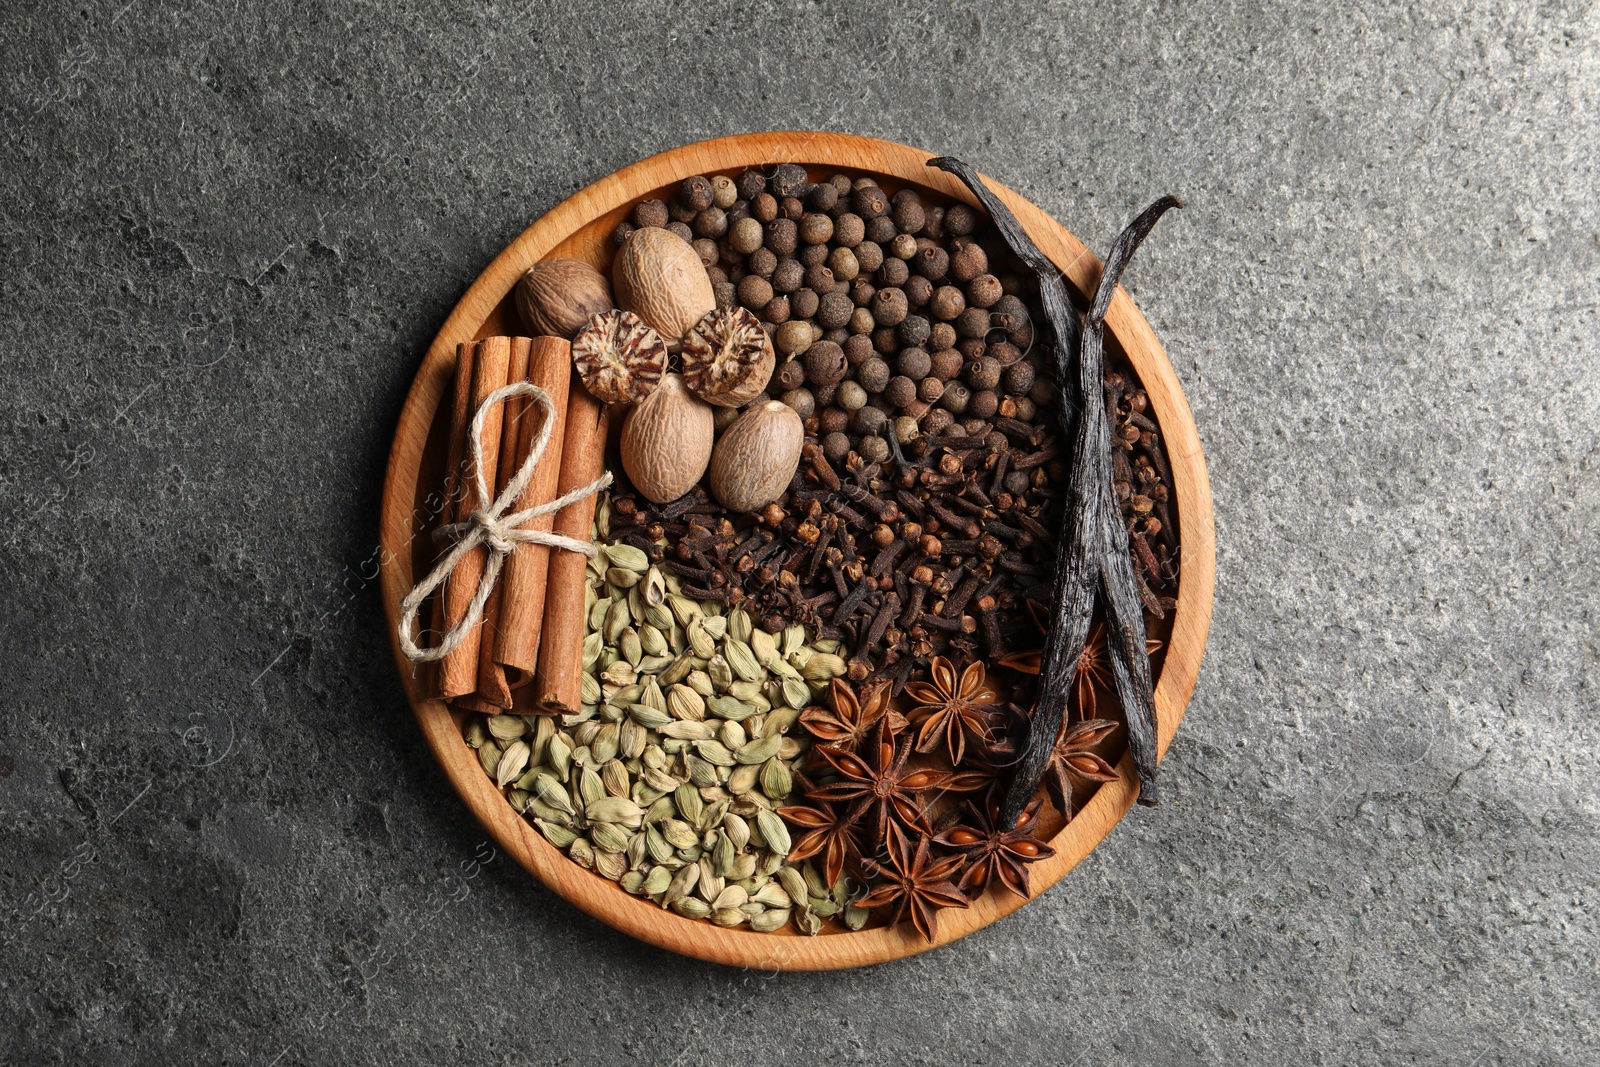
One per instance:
[(228, 233)]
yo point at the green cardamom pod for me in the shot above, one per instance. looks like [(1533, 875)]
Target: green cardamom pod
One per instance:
[(777, 781), (774, 830), (555, 833)]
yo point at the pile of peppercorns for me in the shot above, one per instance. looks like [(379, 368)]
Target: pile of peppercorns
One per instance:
[(890, 316)]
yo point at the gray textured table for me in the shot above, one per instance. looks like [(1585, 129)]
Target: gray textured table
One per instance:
[(229, 231)]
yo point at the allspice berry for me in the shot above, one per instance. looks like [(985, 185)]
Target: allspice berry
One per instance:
[(973, 322), (750, 184), (813, 255), (849, 230), (933, 263), (1019, 378), (820, 279), (873, 449), (984, 291), (914, 363), (822, 197), (869, 420), (712, 223), (947, 302), (880, 229), (762, 262), (789, 179), (960, 220), (946, 363), (851, 396), (834, 310), (695, 193), (832, 420), (843, 263), (942, 335), (955, 398), (904, 246), (1004, 353), (930, 389), (1011, 315), (983, 373), (650, 213), (776, 311), (913, 331), (919, 290), (764, 208), (873, 374), (791, 375), (983, 404), (889, 306), (934, 226), (782, 236), (754, 292), (787, 276), (869, 255), (908, 214), (900, 391), (858, 349), (791, 207), (681, 231), (801, 400), (967, 262), (835, 446), (723, 191), (745, 236), (893, 273), (803, 302), (937, 421), (793, 336), (861, 292), (861, 321), (825, 363), (870, 202), (816, 229)]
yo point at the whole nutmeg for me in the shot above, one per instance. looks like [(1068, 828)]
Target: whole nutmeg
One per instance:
[(659, 278), (727, 357), (558, 297), (756, 459), (825, 363), (619, 358), (666, 441)]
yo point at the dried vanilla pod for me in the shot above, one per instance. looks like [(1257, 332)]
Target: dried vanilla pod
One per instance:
[(728, 357), (619, 358)]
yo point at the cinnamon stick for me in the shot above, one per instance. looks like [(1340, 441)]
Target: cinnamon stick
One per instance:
[(455, 470), (493, 693), (558, 685), (458, 671)]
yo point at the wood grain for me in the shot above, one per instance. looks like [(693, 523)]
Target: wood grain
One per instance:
[(580, 227)]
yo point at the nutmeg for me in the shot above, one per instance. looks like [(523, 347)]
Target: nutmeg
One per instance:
[(557, 297), (666, 441), (659, 278), (757, 457), (728, 357)]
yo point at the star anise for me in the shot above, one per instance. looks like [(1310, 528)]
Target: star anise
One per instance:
[(951, 706), (1074, 760), (853, 717), (829, 831), (1094, 666), (988, 766), (994, 853), (914, 883), (879, 785)]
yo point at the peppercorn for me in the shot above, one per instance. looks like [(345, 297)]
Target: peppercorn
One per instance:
[(843, 263), (802, 401), (889, 306), (725, 294), (764, 208), (1005, 354), (893, 273), (947, 302), (983, 404), (908, 213), (803, 303), (791, 375), (861, 291), (914, 363), (919, 290), (858, 349), (932, 263), (900, 391), (793, 336), (862, 322), (885, 341), (1019, 378), (776, 311), (880, 229), (936, 422), (1011, 315), (955, 398), (782, 236), (825, 363), (822, 197), (745, 236), (789, 179), (960, 220), (787, 276), (913, 331), (650, 213), (754, 291), (791, 207), (973, 323), (707, 251), (750, 184), (983, 373), (946, 364), (681, 231), (816, 229), (834, 309)]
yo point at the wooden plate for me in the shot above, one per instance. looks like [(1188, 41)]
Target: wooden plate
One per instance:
[(581, 227)]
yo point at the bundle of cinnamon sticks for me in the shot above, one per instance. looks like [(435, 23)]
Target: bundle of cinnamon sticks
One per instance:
[(526, 656)]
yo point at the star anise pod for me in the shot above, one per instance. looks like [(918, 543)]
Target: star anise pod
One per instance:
[(1074, 760), (952, 707), (881, 781), (829, 831), (1094, 665), (853, 716), (986, 767), (914, 883), (995, 853)]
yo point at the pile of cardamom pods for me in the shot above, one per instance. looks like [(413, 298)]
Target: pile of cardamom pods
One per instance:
[(667, 779)]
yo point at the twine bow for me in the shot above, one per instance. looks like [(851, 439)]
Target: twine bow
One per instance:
[(493, 528)]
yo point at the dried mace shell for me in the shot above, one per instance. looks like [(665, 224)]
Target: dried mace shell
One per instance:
[(557, 297), (666, 441), (757, 457), (728, 357), (619, 358), (660, 278)]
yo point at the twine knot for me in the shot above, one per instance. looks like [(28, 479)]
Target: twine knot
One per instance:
[(492, 528)]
